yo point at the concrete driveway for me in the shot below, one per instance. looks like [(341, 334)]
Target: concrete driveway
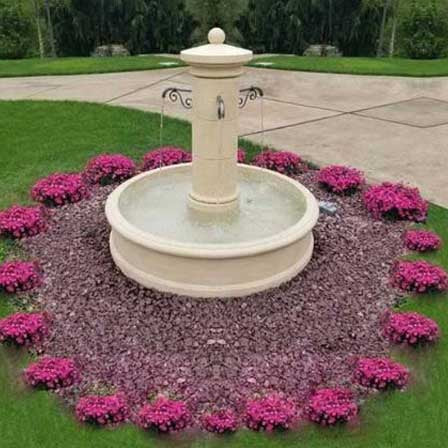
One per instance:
[(392, 128)]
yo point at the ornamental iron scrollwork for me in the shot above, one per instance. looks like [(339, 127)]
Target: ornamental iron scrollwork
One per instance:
[(174, 95)]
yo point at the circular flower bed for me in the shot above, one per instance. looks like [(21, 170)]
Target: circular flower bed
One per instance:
[(52, 373), (331, 406), (281, 161), (419, 277), (107, 169), (18, 276), (165, 156), (411, 328), (340, 179), (395, 201), (164, 415), (270, 413), (23, 329), (224, 421), (60, 189), (102, 410), (19, 222), (381, 374), (422, 240)]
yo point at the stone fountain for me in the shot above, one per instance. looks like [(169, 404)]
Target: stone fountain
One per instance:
[(213, 227)]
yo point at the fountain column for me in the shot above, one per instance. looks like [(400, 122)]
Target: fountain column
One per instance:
[(215, 68)]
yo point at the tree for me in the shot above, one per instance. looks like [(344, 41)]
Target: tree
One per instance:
[(386, 7), (50, 29), (35, 8)]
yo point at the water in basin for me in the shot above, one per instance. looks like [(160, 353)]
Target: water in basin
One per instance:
[(158, 205)]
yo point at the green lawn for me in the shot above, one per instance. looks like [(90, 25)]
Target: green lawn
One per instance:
[(41, 137), (359, 66), (76, 66)]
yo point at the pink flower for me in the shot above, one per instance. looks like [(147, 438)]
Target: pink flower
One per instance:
[(165, 156), (107, 169), (164, 415), (395, 201), (331, 406), (60, 189), (281, 161), (220, 422), (18, 276), (422, 240), (52, 373), (23, 329), (381, 374), (340, 179), (19, 222), (411, 328), (241, 155), (102, 410), (270, 413)]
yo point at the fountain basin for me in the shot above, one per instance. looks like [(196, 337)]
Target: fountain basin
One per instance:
[(162, 243)]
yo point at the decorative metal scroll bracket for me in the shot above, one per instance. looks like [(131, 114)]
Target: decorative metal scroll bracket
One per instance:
[(174, 95), (251, 93)]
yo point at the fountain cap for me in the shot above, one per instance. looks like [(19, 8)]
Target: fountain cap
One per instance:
[(216, 52)]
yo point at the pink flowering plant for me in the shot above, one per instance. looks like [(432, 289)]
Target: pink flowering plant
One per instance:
[(241, 155), (60, 189), (340, 179), (283, 162), (102, 410), (381, 374), (329, 407), (396, 201), (19, 276), (107, 169), (52, 373), (411, 328), (164, 415), (19, 222), (165, 156), (220, 422), (270, 413), (422, 240), (419, 277), (23, 329)]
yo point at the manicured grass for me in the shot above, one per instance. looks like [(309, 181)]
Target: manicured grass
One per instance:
[(77, 66), (42, 137), (359, 66)]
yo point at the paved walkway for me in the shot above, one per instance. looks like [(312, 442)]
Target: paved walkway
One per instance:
[(392, 128)]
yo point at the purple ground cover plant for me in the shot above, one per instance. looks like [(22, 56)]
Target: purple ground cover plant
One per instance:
[(164, 415), (60, 189), (411, 328), (419, 277), (396, 201), (329, 407), (52, 373), (102, 410), (270, 413), (107, 169), (340, 179), (19, 276), (165, 156), (283, 162), (23, 329), (381, 374), (220, 422), (422, 240), (19, 222)]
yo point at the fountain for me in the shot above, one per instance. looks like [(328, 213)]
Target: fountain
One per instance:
[(213, 227)]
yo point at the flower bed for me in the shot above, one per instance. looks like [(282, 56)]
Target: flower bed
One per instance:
[(241, 155), (419, 277), (102, 410), (19, 276), (107, 169), (422, 240), (19, 222), (23, 329), (60, 189), (52, 373), (283, 162), (381, 374), (224, 421), (340, 179), (165, 156), (328, 407), (164, 415), (411, 328), (395, 201)]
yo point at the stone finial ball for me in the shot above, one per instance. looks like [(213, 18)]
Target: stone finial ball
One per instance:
[(216, 36)]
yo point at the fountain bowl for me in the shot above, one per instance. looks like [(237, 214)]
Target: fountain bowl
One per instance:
[(154, 242)]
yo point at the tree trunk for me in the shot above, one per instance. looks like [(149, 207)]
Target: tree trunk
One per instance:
[(393, 36), (38, 28), (50, 29), (379, 52)]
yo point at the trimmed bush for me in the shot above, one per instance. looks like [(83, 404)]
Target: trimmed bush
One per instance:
[(340, 179), (102, 410), (381, 374), (422, 240), (165, 156), (395, 201), (60, 189), (283, 162), (107, 169), (419, 277), (329, 407), (220, 422), (19, 222), (23, 329), (411, 328), (19, 276), (52, 373)]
